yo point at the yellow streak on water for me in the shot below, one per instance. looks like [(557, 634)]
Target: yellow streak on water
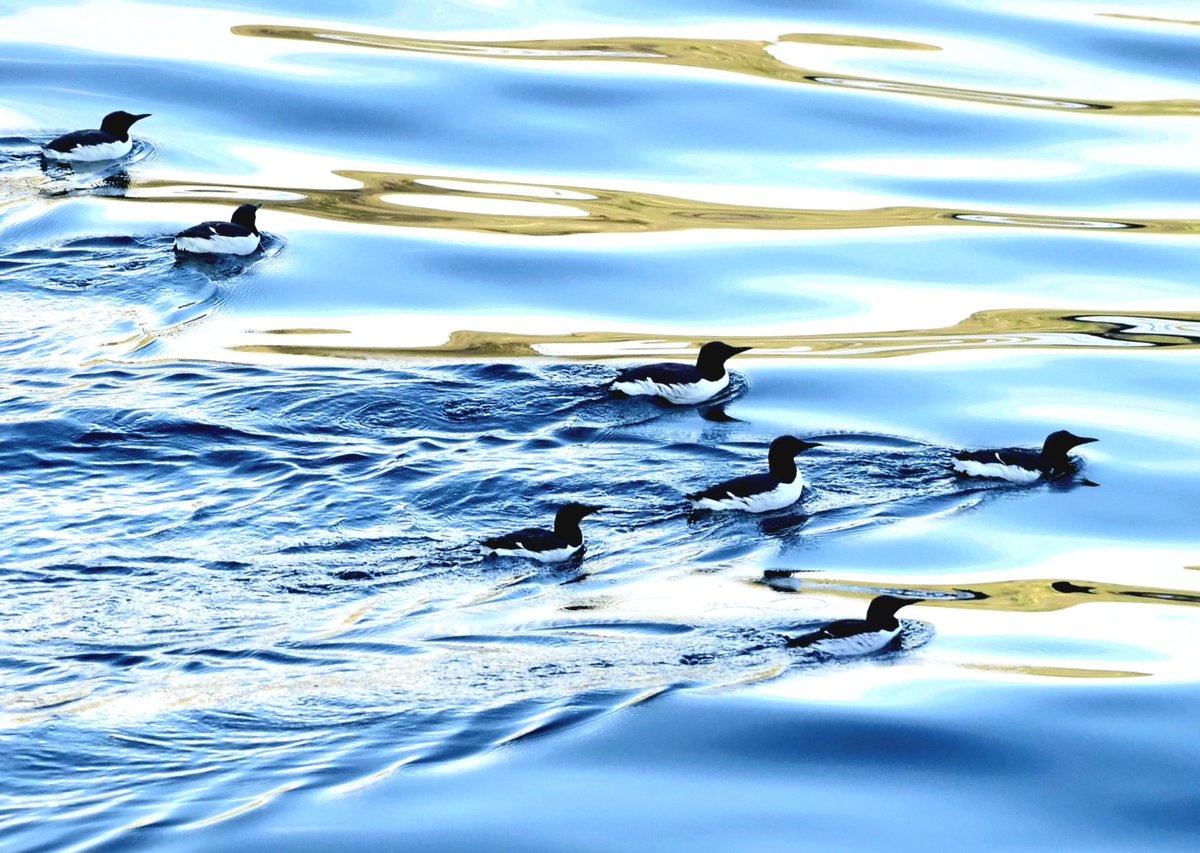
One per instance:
[(1034, 595), (1056, 671), (1148, 19), (982, 330), (734, 56), (453, 202)]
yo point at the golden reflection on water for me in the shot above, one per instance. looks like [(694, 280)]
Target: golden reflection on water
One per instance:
[(733, 56), (1055, 671), (982, 330), (1033, 595), (1148, 19), (462, 204)]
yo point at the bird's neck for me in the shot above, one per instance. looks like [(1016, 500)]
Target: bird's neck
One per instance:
[(568, 529), (882, 620), (1055, 461), (711, 370), (885, 623), (783, 467), (121, 133)]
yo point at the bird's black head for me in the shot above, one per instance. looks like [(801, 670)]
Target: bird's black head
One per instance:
[(244, 216), (574, 512), (566, 521), (881, 611), (712, 357), (1058, 443), (792, 446), (118, 123), (781, 458)]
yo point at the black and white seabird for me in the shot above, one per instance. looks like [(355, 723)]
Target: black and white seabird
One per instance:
[(681, 383), (546, 546), (1021, 465), (239, 236), (846, 637), (110, 142), (779, 487)]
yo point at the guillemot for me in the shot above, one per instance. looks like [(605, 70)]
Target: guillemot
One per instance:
[(1021, 465), (845, 637), (681, 383), (779, 487), (546, 546), (239, 236), (110, 142)]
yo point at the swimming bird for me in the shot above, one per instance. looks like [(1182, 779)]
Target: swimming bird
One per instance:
[(110, 142), (239, 236), (681, 383), (779, 487), (857, 636), (1021, 465), (546, 546)]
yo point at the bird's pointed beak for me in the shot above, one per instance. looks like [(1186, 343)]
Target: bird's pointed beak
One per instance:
[(142, 116), (737, 350), (1083, 440)]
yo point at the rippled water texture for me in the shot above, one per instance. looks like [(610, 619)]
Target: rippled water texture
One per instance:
[(242, 603)]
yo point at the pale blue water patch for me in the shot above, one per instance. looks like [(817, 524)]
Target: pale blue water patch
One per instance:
[(432, 286), (940, 760), (242, 601)]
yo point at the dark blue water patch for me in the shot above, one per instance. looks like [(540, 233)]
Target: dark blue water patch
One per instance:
[(188, 753), (500, 640), (130, 262), (70, 302), (621, 627), (70, 572), (120, 660), (88, 296), (89, 262), (16, 151), (288, 446)]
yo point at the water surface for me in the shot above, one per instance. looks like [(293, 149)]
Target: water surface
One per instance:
[(242, 598)]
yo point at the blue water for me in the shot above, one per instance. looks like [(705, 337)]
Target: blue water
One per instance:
[(242, 603)]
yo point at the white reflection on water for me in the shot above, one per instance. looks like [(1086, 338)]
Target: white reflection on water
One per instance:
[(956, 168), (149, 31), (503, 189), (1001, 65)]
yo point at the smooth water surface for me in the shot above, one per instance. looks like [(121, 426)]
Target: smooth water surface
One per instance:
[(242, 602)]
